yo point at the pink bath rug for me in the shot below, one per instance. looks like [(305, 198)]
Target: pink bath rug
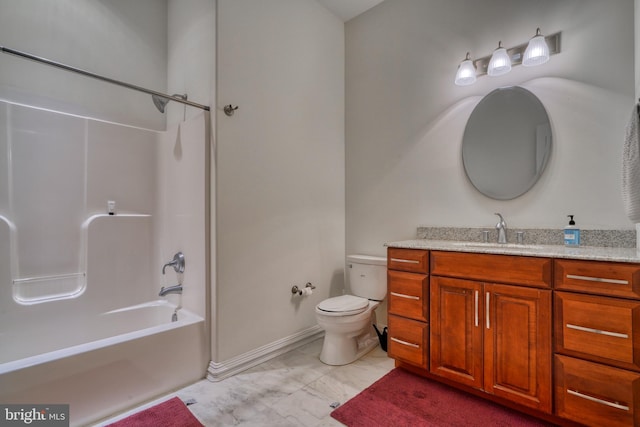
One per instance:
[(171, 413)]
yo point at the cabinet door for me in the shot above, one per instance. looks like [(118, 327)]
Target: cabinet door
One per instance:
[(456, 330), (517, 344)]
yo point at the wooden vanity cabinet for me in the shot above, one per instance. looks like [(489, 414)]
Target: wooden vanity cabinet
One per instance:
[(485, 321), (408, 305), (597, 342), (490, 320)]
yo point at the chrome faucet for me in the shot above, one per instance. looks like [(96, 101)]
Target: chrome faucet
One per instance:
[(177, 289), (177, 263), (501, 226)]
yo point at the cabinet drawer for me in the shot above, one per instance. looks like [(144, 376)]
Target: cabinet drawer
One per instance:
[(408, 341), (530, 271), (604, 278), (598, 328), (408, 294), (595, 394), (413, 260)]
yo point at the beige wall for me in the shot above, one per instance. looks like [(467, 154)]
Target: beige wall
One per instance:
[(637, 46), (280, 169), (405, 118)]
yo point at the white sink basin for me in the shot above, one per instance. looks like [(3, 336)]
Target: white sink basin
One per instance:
[(495, 245)]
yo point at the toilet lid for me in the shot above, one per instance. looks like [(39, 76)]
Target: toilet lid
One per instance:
[(344, 304)]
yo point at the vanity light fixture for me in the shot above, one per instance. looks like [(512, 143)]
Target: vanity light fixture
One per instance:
[(500, 62), (536, 52), (466, 74)]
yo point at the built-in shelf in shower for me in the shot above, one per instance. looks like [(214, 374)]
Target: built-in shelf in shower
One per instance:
[(33, 290)]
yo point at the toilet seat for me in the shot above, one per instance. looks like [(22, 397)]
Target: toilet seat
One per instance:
[(344, 305)]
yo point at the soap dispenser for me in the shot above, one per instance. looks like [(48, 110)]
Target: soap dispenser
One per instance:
[(571, 233)]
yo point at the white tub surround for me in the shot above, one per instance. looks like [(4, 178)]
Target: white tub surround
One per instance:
[(81, 322)]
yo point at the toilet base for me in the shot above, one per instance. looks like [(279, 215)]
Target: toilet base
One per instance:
[(339, 350)]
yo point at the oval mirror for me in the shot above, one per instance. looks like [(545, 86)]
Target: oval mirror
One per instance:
[(506, 143)]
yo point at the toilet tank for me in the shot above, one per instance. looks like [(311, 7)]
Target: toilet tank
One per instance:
[(367, 276)]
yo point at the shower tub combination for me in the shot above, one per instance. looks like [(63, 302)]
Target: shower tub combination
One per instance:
[(81, 321), (113, 361)]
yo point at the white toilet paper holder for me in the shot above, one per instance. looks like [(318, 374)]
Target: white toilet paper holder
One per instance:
[(296, 290)]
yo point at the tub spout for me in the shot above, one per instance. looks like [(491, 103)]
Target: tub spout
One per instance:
[(177, 289)]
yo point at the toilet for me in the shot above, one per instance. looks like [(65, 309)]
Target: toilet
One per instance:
[(348, 319)]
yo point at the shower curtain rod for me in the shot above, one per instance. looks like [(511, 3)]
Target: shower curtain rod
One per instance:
[(99, 77)]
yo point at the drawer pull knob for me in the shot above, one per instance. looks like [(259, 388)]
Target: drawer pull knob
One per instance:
[(406, 261), (598, 279), (595, 399), (410, 344), (395, 294), (597, 331)]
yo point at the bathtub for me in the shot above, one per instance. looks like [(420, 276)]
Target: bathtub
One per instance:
[(114, 361)]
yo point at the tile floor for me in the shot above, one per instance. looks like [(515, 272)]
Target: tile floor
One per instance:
[(292, 390)]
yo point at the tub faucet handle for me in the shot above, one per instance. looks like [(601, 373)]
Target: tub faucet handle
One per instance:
[(177, 263)]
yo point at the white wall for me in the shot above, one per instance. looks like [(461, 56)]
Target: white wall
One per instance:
[(190, 55), (280, 169), (405, 118), (120, 39)]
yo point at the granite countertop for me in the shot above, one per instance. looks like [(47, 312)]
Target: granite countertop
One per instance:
[(549, 251)]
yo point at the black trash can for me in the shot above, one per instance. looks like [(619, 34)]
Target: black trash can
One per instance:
[(382, 336)]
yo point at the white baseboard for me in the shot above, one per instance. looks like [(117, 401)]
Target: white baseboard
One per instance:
[(219, 371)]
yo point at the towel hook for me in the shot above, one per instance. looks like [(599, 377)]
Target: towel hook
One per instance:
[(230, 109)]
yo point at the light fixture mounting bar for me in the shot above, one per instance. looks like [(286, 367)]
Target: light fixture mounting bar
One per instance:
[(516, 53)]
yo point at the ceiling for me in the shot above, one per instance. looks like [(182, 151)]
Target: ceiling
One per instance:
[(347, 9)]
